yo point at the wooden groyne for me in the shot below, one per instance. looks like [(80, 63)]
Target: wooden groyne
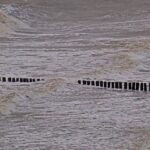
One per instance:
[(21, 80), (132, 86)]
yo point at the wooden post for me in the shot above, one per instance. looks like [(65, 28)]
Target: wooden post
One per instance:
[(97, 83)]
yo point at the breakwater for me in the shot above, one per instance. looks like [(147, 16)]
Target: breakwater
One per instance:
[(133, 86), (16, 79)]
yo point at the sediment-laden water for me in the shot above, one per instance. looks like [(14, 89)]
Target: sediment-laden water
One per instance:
[(63, 41)]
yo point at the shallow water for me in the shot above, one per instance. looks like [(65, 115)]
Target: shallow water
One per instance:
[(67, 41)]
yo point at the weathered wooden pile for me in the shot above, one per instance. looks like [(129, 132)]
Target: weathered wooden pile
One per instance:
[(16, 79), (134, 86)]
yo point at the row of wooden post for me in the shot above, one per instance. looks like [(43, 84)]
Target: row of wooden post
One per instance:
[(10, 79), (134, 86)]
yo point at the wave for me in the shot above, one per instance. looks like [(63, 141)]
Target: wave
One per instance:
[(9, 100), (9, 24)]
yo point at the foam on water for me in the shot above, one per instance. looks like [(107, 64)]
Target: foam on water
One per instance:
[(42, 89), (8, 103), (9, 100), (8, 24)]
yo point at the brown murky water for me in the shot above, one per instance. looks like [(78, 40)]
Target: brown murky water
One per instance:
[(63, 41)]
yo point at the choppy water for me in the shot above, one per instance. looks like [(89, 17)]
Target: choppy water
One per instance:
[(67, 41)]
